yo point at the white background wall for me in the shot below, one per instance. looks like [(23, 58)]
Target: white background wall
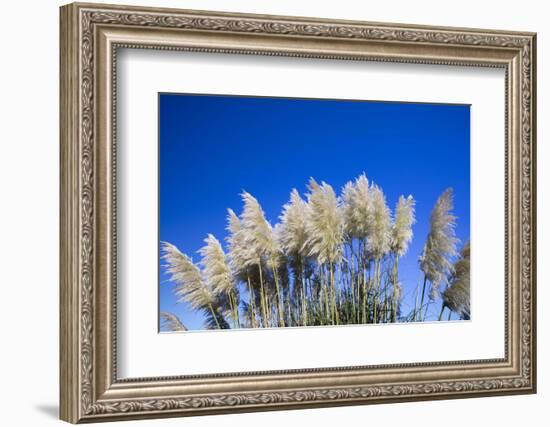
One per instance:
[(29, 171)]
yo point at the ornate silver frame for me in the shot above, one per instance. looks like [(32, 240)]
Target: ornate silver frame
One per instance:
[(90, 36)]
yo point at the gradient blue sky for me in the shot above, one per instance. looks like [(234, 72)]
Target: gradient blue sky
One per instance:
[(213, 147)]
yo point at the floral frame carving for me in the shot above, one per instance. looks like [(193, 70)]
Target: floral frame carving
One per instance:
[(90, 35)]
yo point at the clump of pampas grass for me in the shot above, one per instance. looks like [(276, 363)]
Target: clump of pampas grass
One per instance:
[(331, 259)]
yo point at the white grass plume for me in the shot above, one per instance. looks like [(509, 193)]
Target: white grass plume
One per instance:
[(233, 223), (379, 236), (291, 231), (172, 322), (358, 208), (324, 223), (441, 243), (240, 255), (215, 268), (190, 286), (402, 227), (348, 209), (457, 295), (258, 234)]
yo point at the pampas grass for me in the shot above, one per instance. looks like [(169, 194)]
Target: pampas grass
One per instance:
[(217, 274), (325, 236), (358, 208), (379, 239), (215, 268), (379, 235), (259, 237), (332, 259), (190, 286), (241, 256), (172, 322), (324, 224), (401, 236), (291, 233), (258, 233), (457, 296), (358, 211), (440, 247)]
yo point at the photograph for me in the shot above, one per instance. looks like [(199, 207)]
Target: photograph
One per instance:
[(291, 212)]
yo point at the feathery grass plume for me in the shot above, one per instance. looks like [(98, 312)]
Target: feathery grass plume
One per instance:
[(401, 235), (190, 286), (457, 296), (379, 239), (241, 256), (358, 208), (291, 232), (348, 193), (292, 235), (217, 274), (402, 227), (259, 237), (362, 209), (324, 224), (172, 322), (379, 233), (440, 246), (358, 214), (215, 269), (236, 253), (258, 232), (325, 234), (233, 223), (241, 260)]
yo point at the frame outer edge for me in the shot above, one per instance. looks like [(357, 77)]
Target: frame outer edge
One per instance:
[(77, 339), (534, 270), (68, 226)]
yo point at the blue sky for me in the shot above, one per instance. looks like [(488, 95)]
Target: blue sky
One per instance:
[(213, 147)]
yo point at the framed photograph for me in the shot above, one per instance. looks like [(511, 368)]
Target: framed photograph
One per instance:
[(266, 212)]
